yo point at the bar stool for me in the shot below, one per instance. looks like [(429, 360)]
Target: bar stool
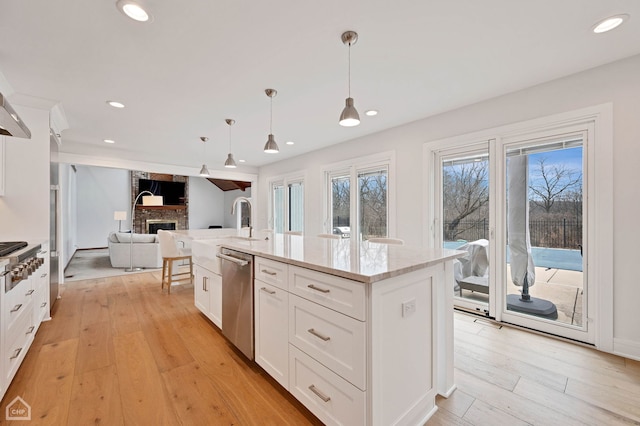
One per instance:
[(170, 254)]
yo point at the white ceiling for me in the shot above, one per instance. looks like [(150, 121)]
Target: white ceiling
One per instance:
[(201, 61)]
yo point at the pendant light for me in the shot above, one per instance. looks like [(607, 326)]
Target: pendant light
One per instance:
[(271, 147), (230, 163), (349, 116), (204, 172)]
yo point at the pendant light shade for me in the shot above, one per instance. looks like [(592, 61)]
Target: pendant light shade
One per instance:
[(271, 147), (349, 116), (204, 171), (230, 163)]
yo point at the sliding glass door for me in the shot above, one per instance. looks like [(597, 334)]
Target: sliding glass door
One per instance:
[(463, 180), (517, 206), (543, 265)]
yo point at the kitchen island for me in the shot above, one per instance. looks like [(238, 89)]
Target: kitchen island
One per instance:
[(360, 333)]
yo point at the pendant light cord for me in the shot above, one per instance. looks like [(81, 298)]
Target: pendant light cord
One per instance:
[(229, 138), (271, 117), (349, 76)]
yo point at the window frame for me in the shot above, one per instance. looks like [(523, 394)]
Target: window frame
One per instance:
[(284, 181), (352, 168)]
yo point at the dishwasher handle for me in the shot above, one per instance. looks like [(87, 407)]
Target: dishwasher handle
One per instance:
[(240, 262)]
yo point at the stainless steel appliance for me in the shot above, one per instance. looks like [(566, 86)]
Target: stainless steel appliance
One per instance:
[(10, 123), (237, 299), (23, 261), (54, 218)]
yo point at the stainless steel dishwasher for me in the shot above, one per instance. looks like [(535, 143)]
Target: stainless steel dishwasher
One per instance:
[(237, 299)]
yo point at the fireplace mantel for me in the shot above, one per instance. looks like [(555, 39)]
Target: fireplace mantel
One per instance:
[(163, 207)]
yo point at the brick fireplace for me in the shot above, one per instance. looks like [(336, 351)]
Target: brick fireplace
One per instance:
[(149, 219)]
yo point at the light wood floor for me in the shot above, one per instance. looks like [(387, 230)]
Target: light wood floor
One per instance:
[(118, 351)]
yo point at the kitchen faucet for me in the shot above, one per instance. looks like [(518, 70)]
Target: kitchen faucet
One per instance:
[(233, 211)]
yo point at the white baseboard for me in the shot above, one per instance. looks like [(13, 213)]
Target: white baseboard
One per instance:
[(627, 348)]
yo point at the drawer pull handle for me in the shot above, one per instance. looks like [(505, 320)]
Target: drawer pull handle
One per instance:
[(319, 335), (267, 290), (264, 271), (43, 304), (322, 290), (321, 395), (16, 308), (30, 292), (16, 353), (43, 275), (30, 330)]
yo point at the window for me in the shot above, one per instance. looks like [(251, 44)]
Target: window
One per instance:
[(359, 191), (287, 205)]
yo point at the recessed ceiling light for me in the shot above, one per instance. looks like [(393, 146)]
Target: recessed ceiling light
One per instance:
[(116, 104), (609, 23), (242, 161), (290, 142), (133, 10), (371, 112), (109, 141)]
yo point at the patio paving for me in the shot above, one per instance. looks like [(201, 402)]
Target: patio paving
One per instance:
[(562, 287)]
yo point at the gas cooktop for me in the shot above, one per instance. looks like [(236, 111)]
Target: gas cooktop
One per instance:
[(8, 247)]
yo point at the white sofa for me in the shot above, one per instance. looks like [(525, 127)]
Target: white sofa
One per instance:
[(146, 250)]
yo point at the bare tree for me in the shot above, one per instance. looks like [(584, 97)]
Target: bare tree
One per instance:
[(465, 192), (340, 195), (373, 204), (551, 183)]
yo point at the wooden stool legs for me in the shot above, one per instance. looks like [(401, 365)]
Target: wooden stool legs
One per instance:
[(168, 277)]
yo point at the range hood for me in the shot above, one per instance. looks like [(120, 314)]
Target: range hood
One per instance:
[(10, 123)]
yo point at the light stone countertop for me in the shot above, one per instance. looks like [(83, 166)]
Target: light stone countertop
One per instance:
[(365, 262)]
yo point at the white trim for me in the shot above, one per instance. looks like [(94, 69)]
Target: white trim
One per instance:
[(119, 163), (600, 197), (626, 348)]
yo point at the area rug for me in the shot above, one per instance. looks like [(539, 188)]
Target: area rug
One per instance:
[(94, 263)]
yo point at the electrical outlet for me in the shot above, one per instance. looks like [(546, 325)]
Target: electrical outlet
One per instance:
[(408, 308)]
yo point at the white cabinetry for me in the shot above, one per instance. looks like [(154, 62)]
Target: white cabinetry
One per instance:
[(208, 293), (357, 354), (18, 327), (41, 288), (271, 319)]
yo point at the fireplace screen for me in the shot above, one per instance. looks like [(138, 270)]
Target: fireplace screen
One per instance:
[(154, 224)]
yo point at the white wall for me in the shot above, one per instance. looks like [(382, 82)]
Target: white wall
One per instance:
[(230, 220), (24, 209), (100, 192), (618, 82), (206, 204), (69, 211)]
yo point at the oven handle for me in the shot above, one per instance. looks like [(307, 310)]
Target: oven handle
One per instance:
[(240, 262)]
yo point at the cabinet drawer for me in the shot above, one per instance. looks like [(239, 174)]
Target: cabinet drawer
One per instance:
[(335, 340), (17, 300), (271, 272), (337, 293), (328, 396), (18, 339)]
